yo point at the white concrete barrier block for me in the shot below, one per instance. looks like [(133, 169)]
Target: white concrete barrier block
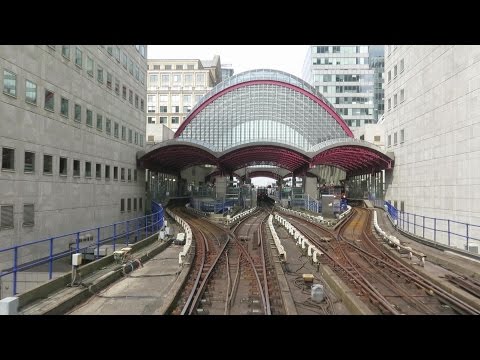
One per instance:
[(9, 306)]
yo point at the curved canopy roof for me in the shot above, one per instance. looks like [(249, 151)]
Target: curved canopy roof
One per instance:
[(265, 117)]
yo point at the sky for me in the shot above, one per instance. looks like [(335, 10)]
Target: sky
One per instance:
[(288, 58)]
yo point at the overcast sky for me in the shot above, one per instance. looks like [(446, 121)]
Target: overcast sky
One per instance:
[(288, 58)]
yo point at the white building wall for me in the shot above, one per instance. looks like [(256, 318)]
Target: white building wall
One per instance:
[(437, 166), (64, 204)]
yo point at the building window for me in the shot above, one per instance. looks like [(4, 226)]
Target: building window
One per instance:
[(130, 136), (88, 169), (110, 50), (134, 204), (124, 133), (402, 65), (389, 140), (389, 104), (136, 101), (200, 79), (66, 51), (29, 163), (151, 108), (168, 67), (89, 121), (8, 159), (130, 96), (142, 105), (135, 175), (395, 100), (142, 77), (402, 135), (64, 107), (389, 75), (177, 78), (47, 164), (30, 92), (100, 74), (107, 172), (117, 86), (6, 217), (122, 205), (151, 120), (140, 203), (76, 168), (136, 138), (376, 138), (402, 206), (98, 171), (402, 95), (395, 138), (150, 138), (163, 109), (115, 130), (115, 173), (49, 100), (122, 174), (28, 215), (109, 80), (395, 204), (124, 92), (129, 204), (116, 53), (141, 140), (175, 119), (124, 60), (63, 168), (130, 66), (78, 57), (188, 79), (163, 120), (108, 126), (129, 175), (99, 122), (137, 72), (175, 109), (78, 113), (89, 66)]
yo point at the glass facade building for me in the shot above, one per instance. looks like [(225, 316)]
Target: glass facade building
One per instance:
[(349, 77)]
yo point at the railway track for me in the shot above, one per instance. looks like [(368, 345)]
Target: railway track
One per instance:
[(231, 272), (388, 286)]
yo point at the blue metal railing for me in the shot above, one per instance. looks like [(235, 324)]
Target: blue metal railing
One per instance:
[(454, 234), (26, 256)]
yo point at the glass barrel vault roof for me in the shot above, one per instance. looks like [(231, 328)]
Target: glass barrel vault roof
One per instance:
[(262, 106)]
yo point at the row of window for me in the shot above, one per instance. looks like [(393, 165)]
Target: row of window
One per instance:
[(176, 79), (129, 204), (395, 99), (341, 49), (341, 61), (402, 138), (395, 70), (358, 122), (141, 49), (164, 119), (31, 97), (172, 67), (344, 78), (6, 216), (353, 111), (173, 109), (129, 64), (29, 167), (139, 102)]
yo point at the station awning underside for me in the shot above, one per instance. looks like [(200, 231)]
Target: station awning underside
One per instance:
[(354, 156)]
